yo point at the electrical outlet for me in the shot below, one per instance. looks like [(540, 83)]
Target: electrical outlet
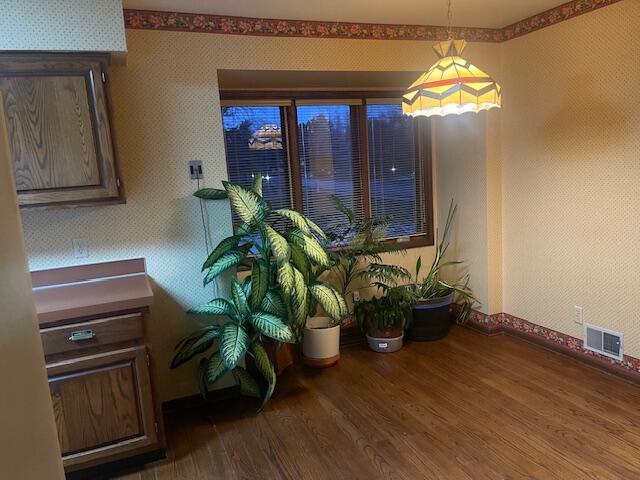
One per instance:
[(195, 170), (79, 248), (577, 314), (356, 296)]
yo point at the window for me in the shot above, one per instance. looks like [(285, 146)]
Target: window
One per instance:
[(395, 171), (255, 145), (329, 162), (361, 149)]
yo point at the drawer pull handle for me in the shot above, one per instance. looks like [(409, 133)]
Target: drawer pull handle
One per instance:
[(81, 335)]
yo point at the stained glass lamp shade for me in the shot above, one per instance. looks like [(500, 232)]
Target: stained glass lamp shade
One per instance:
[(451, 86)]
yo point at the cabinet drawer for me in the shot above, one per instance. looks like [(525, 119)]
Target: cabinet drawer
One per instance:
[(94, 333)]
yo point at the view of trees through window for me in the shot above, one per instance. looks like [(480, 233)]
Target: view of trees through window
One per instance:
[(380, 175)]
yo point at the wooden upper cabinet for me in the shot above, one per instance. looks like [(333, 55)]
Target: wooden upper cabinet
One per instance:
[(57, 113)]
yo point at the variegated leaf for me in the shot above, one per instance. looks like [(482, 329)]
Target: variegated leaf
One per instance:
[(213, 368), (256, 185), (286, 278), (273, 303), (239, 297), (279, 244), (265, 367), (296, 218), (272, 327), (218, 306), (328, 300), (248, 386), (299, 298), (233, 343), (211, 194), (196, 343), (259, 283), (229, 243), (228, 260), (311, 247), (248, 205)]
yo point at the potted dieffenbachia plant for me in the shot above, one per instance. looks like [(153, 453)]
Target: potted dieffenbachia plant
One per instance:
[(435, 297), (272, 303)]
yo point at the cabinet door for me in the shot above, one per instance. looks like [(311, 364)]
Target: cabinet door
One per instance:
[(59, 132), (103, 406)]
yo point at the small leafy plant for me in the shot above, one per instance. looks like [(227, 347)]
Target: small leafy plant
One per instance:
[(274, 301), (432, 285), (390, 312)]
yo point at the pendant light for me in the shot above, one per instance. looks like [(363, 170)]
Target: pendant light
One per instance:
[(452, 85)]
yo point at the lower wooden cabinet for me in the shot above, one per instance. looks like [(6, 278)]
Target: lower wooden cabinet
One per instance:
[(101, 390), (103, 405)]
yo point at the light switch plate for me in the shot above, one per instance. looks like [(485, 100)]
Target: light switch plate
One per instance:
[(195, 170), (79, 248)]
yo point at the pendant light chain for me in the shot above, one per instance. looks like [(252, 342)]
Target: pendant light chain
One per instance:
[(449, 18)]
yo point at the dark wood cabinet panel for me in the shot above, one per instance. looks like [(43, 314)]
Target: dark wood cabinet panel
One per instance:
[(59, 129), (103, 405)]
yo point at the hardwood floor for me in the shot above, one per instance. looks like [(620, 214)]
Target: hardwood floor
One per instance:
[(467, 407)]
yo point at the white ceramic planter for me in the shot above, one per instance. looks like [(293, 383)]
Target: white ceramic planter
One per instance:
[(321, 343)]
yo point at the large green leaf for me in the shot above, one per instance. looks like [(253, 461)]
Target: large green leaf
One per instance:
[(248, 386), (212, 368), (328, 300), (256, 185), (300, 260), (259, 282), (248, 205), (296, 218), (229, 243), (310, 245), (218, 306), (243, 230), (278, 243), (273, 303), (228, 260), (211, 194), (197, 343), (265, 367), (272, 327), (316, 229), (286, 277), (299, 298), (233, 343), (239, 297)]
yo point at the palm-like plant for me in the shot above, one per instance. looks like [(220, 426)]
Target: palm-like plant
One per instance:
[(273, 302), (357, 255), (432, 286)]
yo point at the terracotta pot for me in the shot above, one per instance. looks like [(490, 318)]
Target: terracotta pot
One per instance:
[(321, 343), (281, 356)]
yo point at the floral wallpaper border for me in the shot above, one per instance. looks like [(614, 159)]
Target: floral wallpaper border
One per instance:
[(500, 322), (192, 22)]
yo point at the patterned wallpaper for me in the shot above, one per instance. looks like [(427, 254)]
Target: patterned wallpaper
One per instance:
[(62, 25), (166, 107), (571, 173)]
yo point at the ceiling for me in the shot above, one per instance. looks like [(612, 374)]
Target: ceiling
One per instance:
[(466, 13)]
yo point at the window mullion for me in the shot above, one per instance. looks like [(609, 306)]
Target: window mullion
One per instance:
[(363, 154), (294, 157)]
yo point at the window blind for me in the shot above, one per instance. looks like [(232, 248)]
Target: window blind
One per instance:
[(395, 170), (329, 161), (255, 141)]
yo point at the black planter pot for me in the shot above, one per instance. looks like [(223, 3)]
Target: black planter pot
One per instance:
[(431, 319)]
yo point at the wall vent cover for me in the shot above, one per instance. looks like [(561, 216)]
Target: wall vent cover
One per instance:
[(603, 341)]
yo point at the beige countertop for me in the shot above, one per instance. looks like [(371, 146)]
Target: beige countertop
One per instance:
[(89, 290)]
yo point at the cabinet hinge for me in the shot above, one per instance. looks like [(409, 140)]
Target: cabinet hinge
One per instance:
[(118, 182), (104, 77), (156, 425), (148, 361)]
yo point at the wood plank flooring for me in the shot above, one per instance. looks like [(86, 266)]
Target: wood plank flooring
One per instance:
[(468, 407)]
